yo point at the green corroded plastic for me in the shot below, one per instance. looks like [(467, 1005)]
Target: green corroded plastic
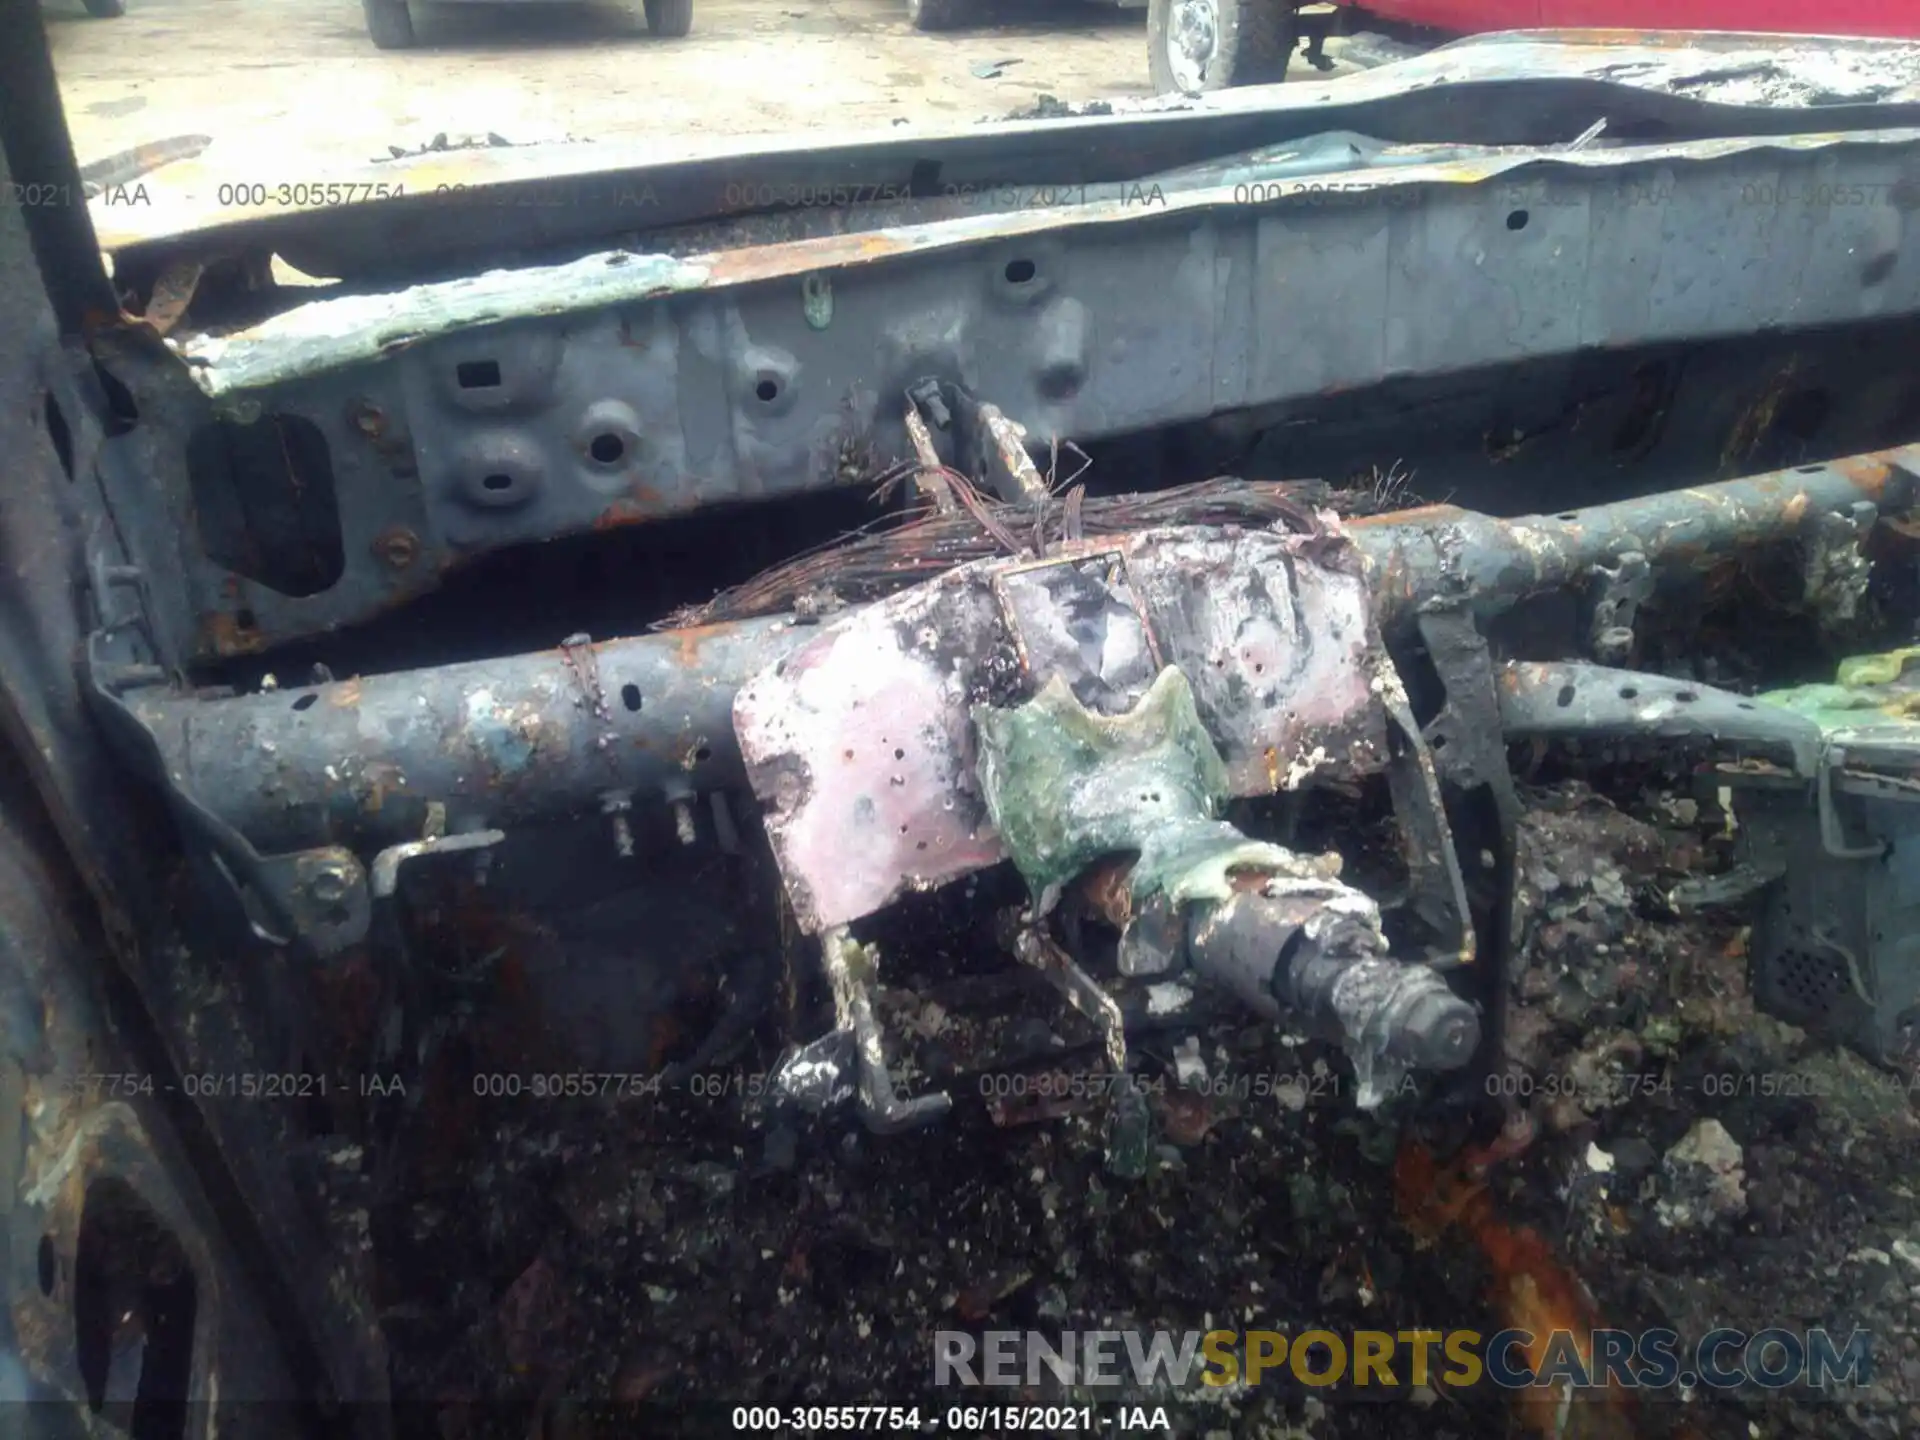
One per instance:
[(1067, 787), (1873, 696)]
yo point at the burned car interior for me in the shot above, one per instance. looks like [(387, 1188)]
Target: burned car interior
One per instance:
[(508, 695)]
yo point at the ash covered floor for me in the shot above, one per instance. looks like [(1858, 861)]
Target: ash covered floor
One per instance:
[(562, 1269)]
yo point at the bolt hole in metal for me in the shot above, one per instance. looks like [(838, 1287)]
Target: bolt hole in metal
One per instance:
[(245, 620), (767, 389), (1628, 692), (478, 374), (607, 449), (1021, 272), (630, 696), (703, 754), (305, 702), (1565, 698), (1517, 219), (496, 483)]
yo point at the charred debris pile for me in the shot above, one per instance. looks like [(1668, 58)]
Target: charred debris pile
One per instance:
[(1397, 894)]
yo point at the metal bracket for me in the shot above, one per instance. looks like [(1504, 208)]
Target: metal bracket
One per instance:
[(323, 893), (1129, 1121), (1485, 815), (1032, 947), (386, 865), (1570, 699), (993, 449), (1833, 837), (1618, 592), (318, 900), (1433, 862), (849, 967)]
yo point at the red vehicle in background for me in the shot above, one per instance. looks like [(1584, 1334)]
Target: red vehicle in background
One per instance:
[(1198, 45)]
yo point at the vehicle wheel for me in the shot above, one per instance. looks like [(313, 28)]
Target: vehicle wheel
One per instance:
[(938, 14), (1199, 45), (106, 9), (670, 19), (389, 23)]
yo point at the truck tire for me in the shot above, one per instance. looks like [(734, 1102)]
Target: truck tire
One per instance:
[(669, 19), (1198, 45), (938, 14), (106, 9), (389, 23)]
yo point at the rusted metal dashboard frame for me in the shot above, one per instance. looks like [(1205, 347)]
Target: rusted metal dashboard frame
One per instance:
[(290, 782), (642, 386), (645, 342)]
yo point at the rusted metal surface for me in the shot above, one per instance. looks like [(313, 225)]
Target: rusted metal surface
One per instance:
[(324, 335), (590, 427), (1494, 564), (496, 742), (930, 477), (517, 737), (1011, 470)]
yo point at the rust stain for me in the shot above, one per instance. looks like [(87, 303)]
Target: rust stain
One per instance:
[(1418, 515), (224, 635), (640, 504), (396, 546), (1870, 475), (345, 695), (621, 512), (689, 641), (765, 262)]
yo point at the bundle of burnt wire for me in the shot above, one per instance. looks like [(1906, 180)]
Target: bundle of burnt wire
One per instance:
[(957, 522)]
